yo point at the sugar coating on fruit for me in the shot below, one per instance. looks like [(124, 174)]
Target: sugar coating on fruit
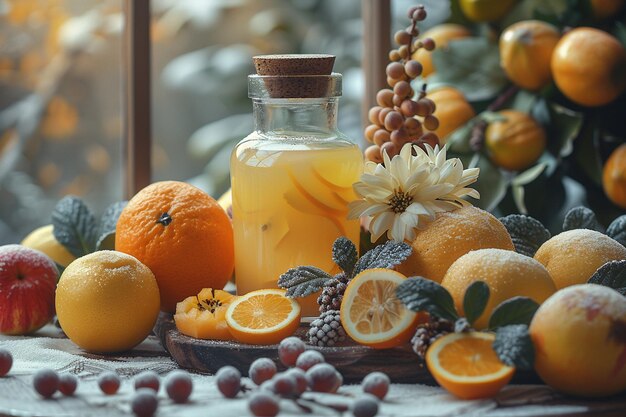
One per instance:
[(289, 349), (377, 384), (450, 236), (46, 382), (324, 378), (261, 370), (573, 256), (144, 402), (13, 255), (309, 358), (365, 405), (68, 384), (228, 381), (109, 382), (6, 362), (178, 385), (284, 384), (263, 404), (148, 379), (299, 377)]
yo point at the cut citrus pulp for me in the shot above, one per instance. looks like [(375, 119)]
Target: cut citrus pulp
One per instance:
[(203, 316), (466, 365), (372, 315), (263, 317)]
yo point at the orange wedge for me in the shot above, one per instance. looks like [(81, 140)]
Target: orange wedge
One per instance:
[(466, 365), (372, 315), (263, 317)]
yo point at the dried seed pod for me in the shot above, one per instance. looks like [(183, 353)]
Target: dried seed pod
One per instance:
[(373, 115), (370, 131), (430, 138), (393, 120), (382, 114), (391, 149), (429, 44), (381, 136), (394, 55), (373, 153), (399, 137), (408, 108), (402, 89), (395, 70), (431, 122), (384, 97), (413, 68), (404, 52), (401, 37)]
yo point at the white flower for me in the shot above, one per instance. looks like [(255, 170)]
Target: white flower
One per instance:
[(409, 190)]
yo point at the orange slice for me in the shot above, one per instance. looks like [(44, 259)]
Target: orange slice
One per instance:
[(466, 365), (263, 317), (372, 315), (203, 316)]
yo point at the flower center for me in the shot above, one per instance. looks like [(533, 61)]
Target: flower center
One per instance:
[(400, 201)]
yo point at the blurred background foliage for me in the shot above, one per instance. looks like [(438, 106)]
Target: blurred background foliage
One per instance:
[(61, 115)]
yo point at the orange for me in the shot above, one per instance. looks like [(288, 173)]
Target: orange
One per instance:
[(372, 315), (614, 176), (589, 66), (203, 316), (107, 301), (508, 274), (572, 257), (516, 142), (42, 239), (486, 10), (578, 335), (603, 9), (466, 365), (263, 317), (450, 236), (452, 110), (525, 52), (182, 235), (441, 34)]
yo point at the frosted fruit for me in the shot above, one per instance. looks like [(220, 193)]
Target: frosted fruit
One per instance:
[(572, 257), (508, 274), (450, 236)]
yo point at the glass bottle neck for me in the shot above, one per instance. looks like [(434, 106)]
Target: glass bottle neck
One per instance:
[(296, 118)]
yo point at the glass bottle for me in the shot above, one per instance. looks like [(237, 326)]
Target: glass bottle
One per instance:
[(292, 177)]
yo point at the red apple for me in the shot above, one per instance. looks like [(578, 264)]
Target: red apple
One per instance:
[(27, 283)]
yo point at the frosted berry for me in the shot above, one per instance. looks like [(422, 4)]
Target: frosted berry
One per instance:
[(284, 385), (299, 378), (263, 404), (144, 402), (365, 406), (6, 362), (261, 370), (324, 378), (68, 384), (377, 384), (46, 382), (148, 379), (309, 358), (289, 349), (178, 385), (109, 382), (228, 381)]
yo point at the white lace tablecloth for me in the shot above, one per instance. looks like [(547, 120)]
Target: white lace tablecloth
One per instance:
[(50, 349)]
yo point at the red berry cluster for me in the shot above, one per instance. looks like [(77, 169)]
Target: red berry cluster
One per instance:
[(394, 121)]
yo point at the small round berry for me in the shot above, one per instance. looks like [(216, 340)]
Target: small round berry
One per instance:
[(395, 70), (261, 370), (430, 138), (404, 54), (419, 14), (412, 125), (410, 11), (408, 108), (381, 116), (144, 402), (428, 43), (373, 114), (263, 404), (178, 385), (109, 382), (401, 37), (391, 81), (413, 68), (399, 137), (365, 406), (68, 384), (391, 149), (290, 348), (384, 97), (381, 136), (431, 122), (397, 100), (431, 104), (402, 89), (370, 131), (299, 377), (6, 362), (324, 378), (393, 120), (377, 384), (412, 30), (372, 153), (394, 55), (46, 382), (309, 358), (228, 381), (284, 385), (148, 379)]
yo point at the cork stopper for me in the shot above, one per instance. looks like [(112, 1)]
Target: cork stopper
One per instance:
[(296, 76)]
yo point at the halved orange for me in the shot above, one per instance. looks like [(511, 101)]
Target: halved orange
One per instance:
[(263, 317), (466, 365), (203, 316), (372, 315)]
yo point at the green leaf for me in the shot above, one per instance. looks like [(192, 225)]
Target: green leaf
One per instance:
[(492, 184), (458, 140), (475, 300), (471, 65), (387, 255), (491, 117), (421, 294), (524, 101), (617, 229), (74, 226), (612, 274), (620, 33), (516, 310), (518, 197), (108, 222), (529, 175), (565, 126), (581, 218), (514, 347), (587, 153), (303, 281), (527, 233), (345, 254)]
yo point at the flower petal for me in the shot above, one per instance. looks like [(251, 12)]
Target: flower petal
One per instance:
[(380, 224)]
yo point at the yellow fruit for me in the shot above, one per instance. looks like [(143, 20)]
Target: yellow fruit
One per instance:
[(43, 240), (466, 365), (580, 343), (203, 316), (508, 274), (614, 176), (263, 317), (516, 142), (441, 34), (485, 10), (589, 66), (572, 257), (107, 301), (452, 110), (525, 52), (450, 236), (372, 315)]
